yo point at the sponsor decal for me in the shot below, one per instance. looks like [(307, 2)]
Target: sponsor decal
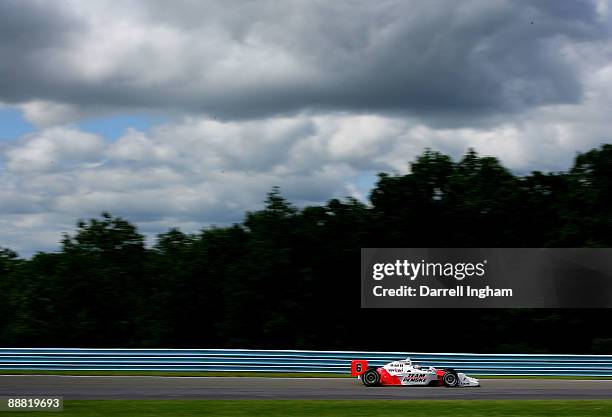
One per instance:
[(412, 378)]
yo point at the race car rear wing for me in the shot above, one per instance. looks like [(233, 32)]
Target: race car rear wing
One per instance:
[(358, 367)]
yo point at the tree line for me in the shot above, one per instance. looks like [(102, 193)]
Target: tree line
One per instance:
[(288, 277)]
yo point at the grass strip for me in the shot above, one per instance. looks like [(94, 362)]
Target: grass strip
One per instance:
[(362, 408)]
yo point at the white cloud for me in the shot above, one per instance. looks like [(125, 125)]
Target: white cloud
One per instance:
[(200, 171), (51, 150), (47, 113), (307, 96), (243, 60)]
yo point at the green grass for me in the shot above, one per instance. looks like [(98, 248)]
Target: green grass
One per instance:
[(329, 408), (260, 374)]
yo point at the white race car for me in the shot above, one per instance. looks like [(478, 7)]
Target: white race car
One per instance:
[(404, 372)]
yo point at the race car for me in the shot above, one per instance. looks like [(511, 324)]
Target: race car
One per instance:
[(404, 372)]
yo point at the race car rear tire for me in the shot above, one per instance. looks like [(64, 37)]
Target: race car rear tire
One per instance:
[(450, 378), (370, 378)]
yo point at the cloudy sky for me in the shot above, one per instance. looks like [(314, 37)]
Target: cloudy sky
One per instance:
[(186, 113)]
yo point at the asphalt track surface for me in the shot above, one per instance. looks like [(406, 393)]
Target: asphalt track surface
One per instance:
[(234, 388)]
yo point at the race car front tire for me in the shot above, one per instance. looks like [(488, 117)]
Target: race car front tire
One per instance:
[(450, 378), (370, 378)]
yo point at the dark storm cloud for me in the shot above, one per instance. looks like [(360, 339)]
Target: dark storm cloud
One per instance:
[(30, 32), (255, 59), (28, 24)]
